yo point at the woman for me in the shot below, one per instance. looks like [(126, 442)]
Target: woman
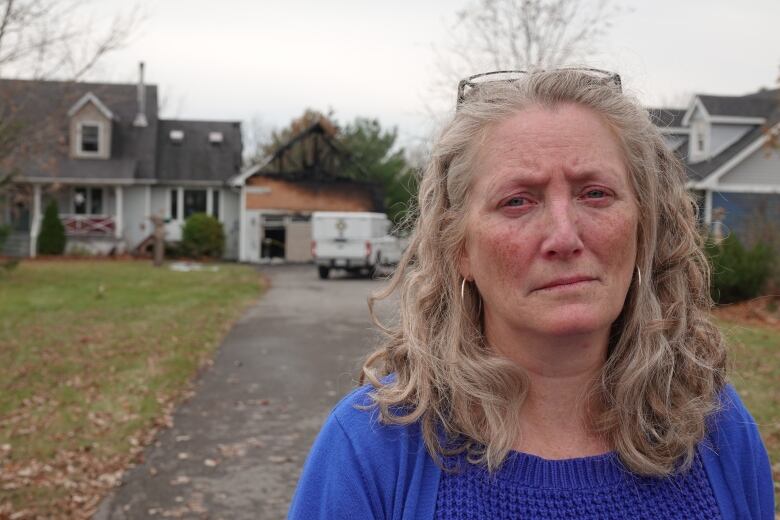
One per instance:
[(554, 356)]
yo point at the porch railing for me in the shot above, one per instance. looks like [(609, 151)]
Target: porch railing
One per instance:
[(77, 225)]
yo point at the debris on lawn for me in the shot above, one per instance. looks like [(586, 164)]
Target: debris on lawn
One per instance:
[(186, 267)]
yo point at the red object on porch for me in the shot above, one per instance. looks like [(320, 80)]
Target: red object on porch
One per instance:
[(88, 224)]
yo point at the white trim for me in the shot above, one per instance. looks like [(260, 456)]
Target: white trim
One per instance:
[(82, 181), (674, 130), (148, 203), (180, 204), (240, 179), (102, 138), (89, 96), (738, 120), (124, 182), (242, 226), (708, 207), (747, 188), (36, 220), (118, 201), (257, 190), (695, 103), (711, 182), (209, 205)]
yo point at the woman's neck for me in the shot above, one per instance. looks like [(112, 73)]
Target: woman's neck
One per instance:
[(560, 372)]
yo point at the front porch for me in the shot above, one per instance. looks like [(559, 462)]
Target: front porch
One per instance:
[(91, 215)]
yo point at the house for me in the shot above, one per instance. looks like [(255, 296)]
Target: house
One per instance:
[(731, 154), (279, 194), (102, 153)]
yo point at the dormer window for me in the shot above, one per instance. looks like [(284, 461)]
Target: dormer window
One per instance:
[(90, 138), (700, 140), (215, 137), (90, 128)]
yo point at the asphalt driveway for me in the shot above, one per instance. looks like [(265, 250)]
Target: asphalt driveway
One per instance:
[(237, 446)]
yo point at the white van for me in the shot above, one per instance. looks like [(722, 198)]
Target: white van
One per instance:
[(352, 241)]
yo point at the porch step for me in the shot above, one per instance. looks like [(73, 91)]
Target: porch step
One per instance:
[(17, 245)]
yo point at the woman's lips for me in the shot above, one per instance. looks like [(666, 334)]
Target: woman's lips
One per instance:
[(564, 283)]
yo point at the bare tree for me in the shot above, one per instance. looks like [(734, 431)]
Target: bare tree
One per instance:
[(49, 39), (520, 34)]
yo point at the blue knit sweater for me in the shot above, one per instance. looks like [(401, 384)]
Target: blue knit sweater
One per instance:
[(587, 488), (361, 469)]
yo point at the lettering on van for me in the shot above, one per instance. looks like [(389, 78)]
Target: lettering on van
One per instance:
[(341, 225)]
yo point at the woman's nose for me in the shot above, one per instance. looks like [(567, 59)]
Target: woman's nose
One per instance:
[(562, 238)]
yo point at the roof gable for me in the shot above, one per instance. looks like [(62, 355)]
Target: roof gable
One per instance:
[(89, 97)]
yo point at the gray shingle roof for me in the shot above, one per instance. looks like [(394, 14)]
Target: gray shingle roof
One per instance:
[(40, 107), (743, 106), (764, 103), (137, 153), (195, 158)]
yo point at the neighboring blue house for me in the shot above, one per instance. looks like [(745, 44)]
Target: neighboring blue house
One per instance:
[(731, 165)]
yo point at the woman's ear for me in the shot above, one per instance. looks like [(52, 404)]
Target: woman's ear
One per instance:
[(464, 265)]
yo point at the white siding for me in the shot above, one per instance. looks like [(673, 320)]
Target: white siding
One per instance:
[(722, 136), (758, 168), (135, 221), (159, 201), (229, 211)]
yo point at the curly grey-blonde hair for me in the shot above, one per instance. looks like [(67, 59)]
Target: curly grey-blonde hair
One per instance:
[(666, 361)]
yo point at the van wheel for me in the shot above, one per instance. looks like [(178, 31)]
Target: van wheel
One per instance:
[(324, 271)]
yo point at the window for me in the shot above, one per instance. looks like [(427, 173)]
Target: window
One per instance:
[(90, 138), (215, 204), (88, 201), (699, 140), (96, 201), (174, 205), (194, 202)]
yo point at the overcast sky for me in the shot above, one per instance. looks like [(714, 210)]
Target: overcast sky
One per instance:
[(270, 59)]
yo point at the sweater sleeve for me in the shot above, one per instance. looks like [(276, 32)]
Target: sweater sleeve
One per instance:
[(737, 463), (361, 468), (332, 485)]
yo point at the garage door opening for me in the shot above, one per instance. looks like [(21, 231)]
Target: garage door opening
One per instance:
[(274, 243)]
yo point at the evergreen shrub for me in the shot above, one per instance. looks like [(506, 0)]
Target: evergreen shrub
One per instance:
[(203, 236), (4, 232), (738, 273), (51, 239)]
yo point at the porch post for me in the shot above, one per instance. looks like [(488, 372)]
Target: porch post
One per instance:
[(148, 207), (36, 220), (242, 226), (707, 208), (118, 219)]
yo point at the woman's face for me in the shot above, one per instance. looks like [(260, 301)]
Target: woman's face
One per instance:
[(551, 224)]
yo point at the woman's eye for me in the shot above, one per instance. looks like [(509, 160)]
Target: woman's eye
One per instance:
[(596, 194), (516, 202)]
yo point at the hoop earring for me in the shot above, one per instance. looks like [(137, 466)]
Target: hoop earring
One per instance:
[(463, 296), (639, 276)]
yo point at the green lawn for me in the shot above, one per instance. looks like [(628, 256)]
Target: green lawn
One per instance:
[(92, 356), (756, 355)]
